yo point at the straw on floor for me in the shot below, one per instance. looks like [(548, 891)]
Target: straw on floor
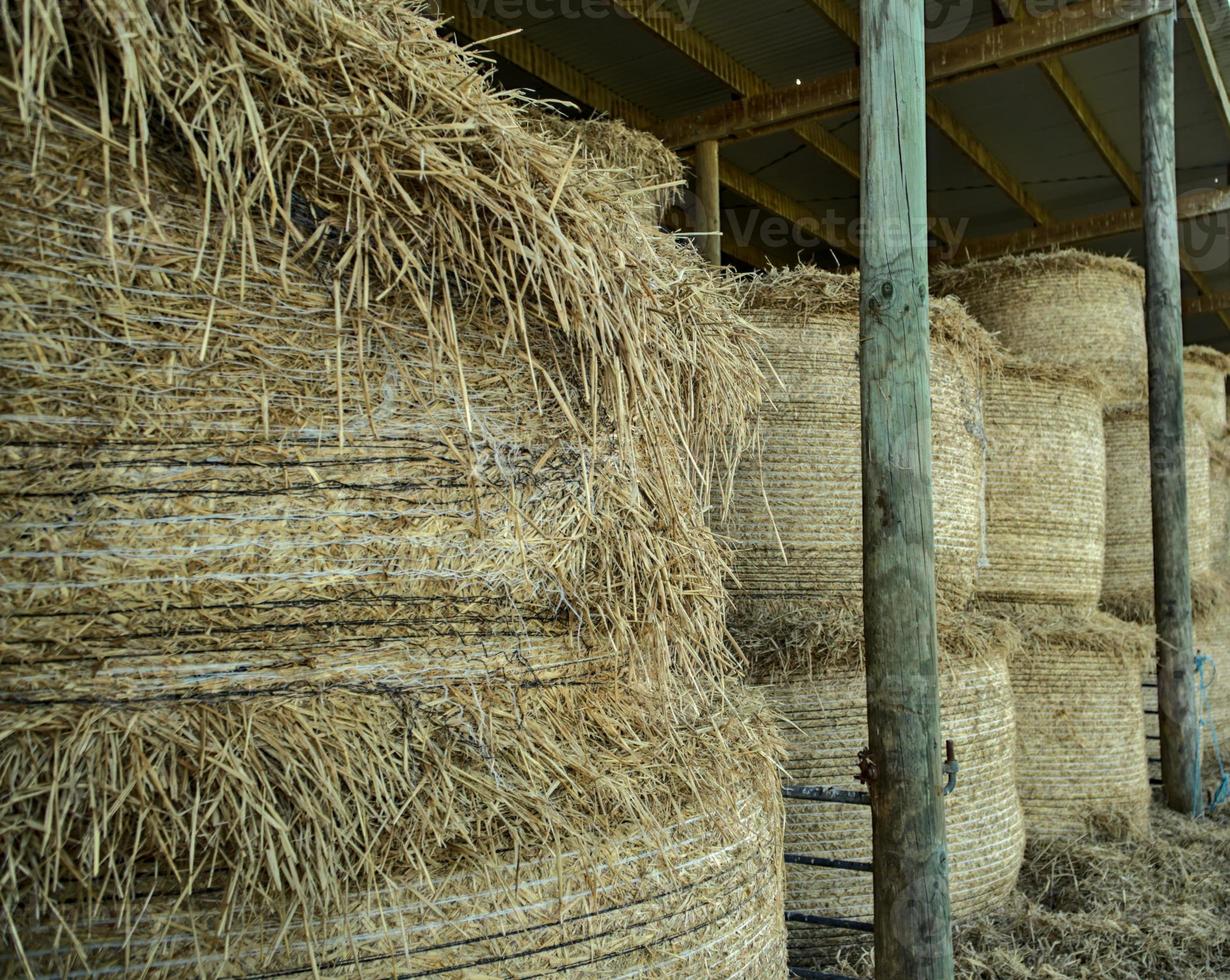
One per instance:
[(1064, 307), (1046, 497), (791, 553), (1104, 908)]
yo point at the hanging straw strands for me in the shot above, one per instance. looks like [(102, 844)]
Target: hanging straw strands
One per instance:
[(354, 133), (646, 168)]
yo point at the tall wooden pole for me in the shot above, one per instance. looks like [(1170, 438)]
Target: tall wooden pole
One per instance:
[(912, 917), (1172, 593), (708, 202)]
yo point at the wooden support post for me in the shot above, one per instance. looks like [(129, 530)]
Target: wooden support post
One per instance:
[(708, 209), (1172, 594), (913, 937)]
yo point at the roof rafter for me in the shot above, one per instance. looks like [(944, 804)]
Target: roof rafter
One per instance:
[(542, 64), (846, 20), (1208, 61), (708, 56), (1060, 233), (994, 49), (1071, 95)]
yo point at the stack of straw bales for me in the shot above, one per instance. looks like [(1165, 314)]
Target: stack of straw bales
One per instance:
[(1046, 485), (1053, 507), (795, 522), (1065, 307), (360, 611)]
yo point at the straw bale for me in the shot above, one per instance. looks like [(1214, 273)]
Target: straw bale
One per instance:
[(302, 599), (1079, 719), (1046, 496), (1127, 578), (648, 170), (796, 512), (1063, 307), (1219, 505), (1204, 387), (825, 725), (284, 805), (355, 134)]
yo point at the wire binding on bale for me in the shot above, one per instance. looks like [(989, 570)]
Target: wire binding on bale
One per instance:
[(1127, 577), (1204, 387), (1062, 307), (824, 722), (795, 518), (1080, 750), (1046, 496)]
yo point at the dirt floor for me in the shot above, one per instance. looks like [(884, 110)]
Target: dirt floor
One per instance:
[(1104, 908)]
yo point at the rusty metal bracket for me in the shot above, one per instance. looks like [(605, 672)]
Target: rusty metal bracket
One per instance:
[(951, 768), (867, 771)]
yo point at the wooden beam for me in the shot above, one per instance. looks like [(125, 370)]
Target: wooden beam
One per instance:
[(1210, 303), (754, 189), (994, 49), (845, 19), (1060, 233), (651, 15), (708, 203), (1178, 723), (1208, 61), (912, 914), (542, 64), (964, 139)]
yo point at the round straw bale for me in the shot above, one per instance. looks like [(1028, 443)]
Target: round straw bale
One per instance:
[(1046, 497), (1127, 578), (796, 507), (1064, 307), (1213, 640), (1204, 387), (1080, 720), (1219, 505), (294, 804), (679, 875), (825, 725), (648, 171)]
